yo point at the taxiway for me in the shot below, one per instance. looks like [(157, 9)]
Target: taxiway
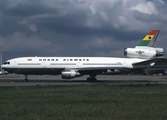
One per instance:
[(18, 80)]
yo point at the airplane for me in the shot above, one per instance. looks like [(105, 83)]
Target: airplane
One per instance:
[(142, 56)]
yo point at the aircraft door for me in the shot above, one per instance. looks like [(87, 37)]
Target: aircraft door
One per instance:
[(79, 64), (124, 64), (13, 64), (127, 64), (44, 64)]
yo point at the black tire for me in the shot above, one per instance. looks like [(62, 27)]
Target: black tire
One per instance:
[(89, 79), (94, 80)]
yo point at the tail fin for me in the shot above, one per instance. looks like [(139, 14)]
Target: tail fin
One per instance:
[(150, 39)]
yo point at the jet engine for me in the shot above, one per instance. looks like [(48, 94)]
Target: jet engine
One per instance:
[(144, 53), (113, 71), (69, 74)]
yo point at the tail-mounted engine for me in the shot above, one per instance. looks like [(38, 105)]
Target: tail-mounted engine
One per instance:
[(69, 74), (145, 53)]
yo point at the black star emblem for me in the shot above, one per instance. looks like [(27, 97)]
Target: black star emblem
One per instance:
[(149, 37), (140, 52)]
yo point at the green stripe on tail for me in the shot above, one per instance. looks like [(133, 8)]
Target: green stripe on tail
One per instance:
[(144, 43)]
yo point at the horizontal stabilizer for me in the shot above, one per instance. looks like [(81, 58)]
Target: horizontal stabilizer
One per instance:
[(148, 63)]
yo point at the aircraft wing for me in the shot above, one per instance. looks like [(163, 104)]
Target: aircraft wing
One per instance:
[(148, 63), (156, 68), (99, 68)]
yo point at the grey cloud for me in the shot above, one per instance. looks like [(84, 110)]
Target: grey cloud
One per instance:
[(28, 8), (33, 28)]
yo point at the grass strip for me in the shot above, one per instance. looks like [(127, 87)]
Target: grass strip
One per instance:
[(84, 102)]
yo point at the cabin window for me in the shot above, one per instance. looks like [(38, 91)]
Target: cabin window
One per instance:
[(6, 63)]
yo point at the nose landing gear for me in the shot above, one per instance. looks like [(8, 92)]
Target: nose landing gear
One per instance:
[(26, 78)]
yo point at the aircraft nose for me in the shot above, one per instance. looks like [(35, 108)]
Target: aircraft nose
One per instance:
[(3, 66)]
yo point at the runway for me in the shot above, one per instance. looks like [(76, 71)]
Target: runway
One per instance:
[(34, 80)]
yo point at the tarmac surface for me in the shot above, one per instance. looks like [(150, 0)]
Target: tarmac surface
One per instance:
[(34, 80)]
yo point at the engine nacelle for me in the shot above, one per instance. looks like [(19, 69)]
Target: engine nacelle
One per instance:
[(159, 51), (113, 71), (69, 74), (145, 53)]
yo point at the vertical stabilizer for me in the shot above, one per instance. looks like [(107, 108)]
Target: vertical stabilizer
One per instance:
[(150, 39)]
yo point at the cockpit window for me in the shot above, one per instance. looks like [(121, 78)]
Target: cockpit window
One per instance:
[(6, 63)]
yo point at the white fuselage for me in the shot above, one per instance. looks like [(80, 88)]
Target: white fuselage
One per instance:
[(63, 63), (70, 62)]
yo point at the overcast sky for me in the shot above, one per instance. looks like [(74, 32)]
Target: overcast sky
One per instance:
[(78, 27)]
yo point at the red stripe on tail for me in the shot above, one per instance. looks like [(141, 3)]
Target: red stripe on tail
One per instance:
[(152, 32)]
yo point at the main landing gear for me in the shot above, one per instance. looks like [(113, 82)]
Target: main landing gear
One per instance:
[(26, 78), (92, 78)]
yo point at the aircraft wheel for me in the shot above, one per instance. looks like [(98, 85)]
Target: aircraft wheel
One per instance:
[(94, 79), (26, 80), (89, 79)]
